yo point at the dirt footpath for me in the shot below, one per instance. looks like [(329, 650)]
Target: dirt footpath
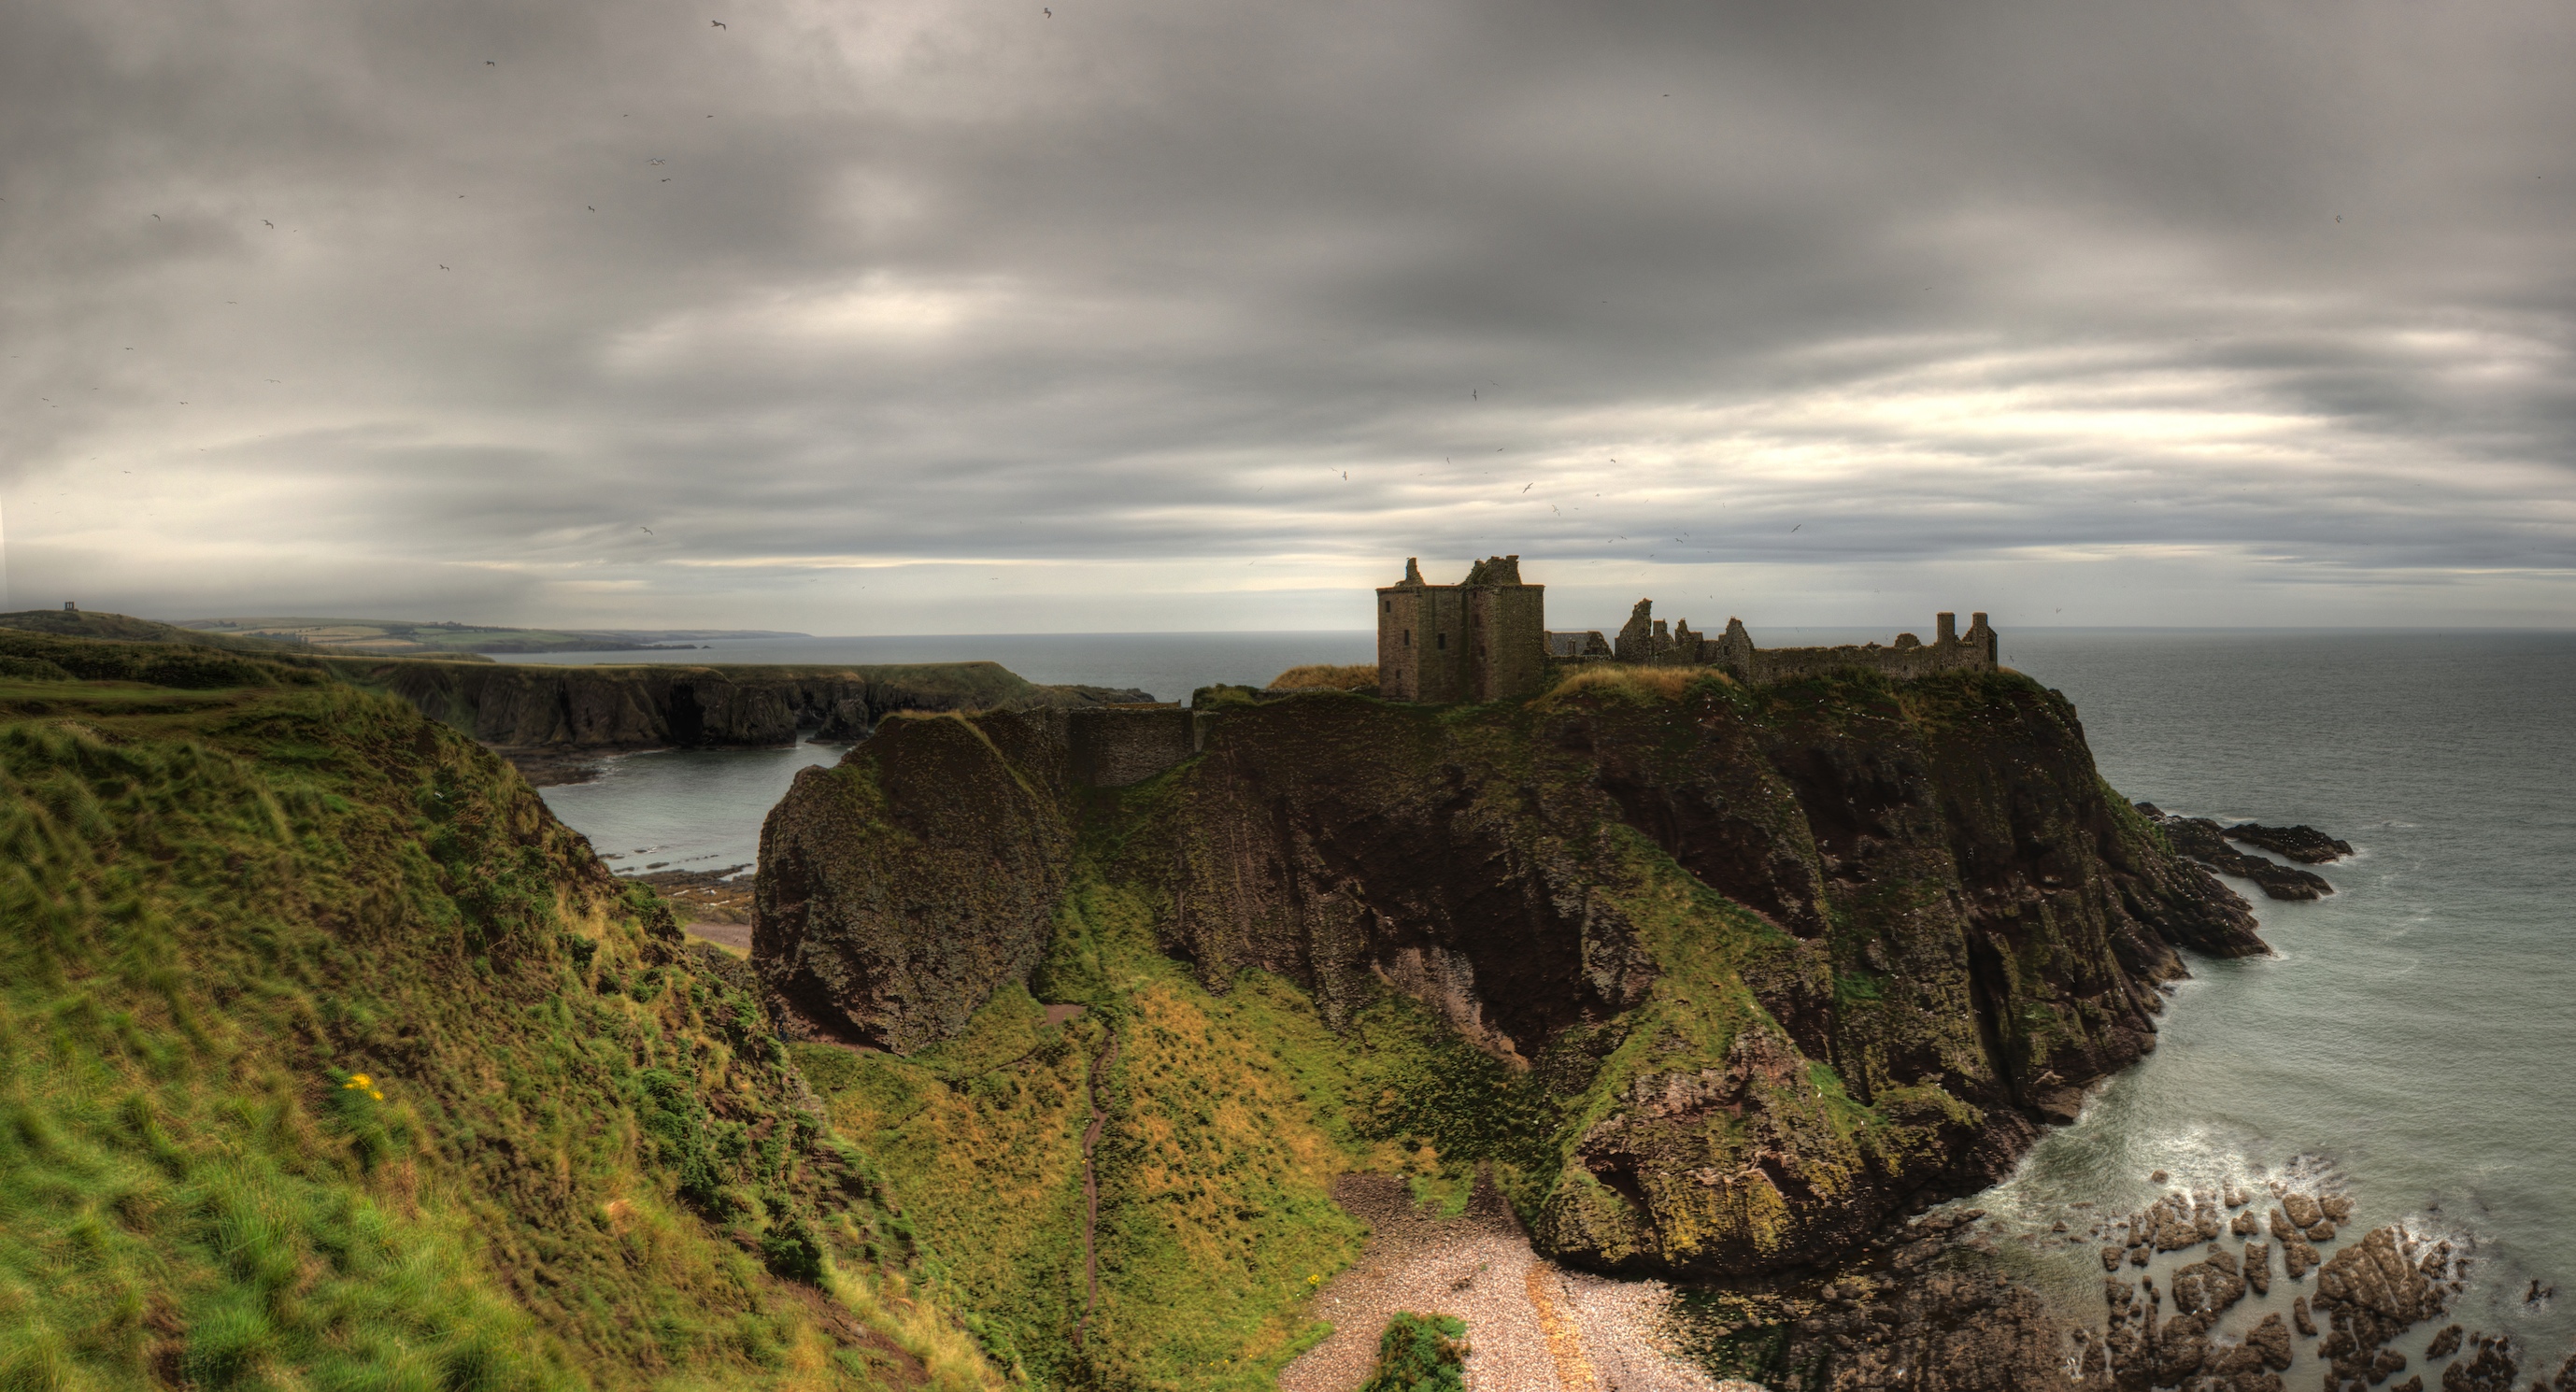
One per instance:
[(1530, 1326)]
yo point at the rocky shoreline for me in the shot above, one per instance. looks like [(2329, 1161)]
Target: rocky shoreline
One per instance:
[(1934, 1303)]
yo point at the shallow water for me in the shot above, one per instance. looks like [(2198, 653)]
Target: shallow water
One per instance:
[(683, 809), (2414, 1041)]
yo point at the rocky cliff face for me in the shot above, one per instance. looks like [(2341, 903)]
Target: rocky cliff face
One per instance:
[(1782, 961), (515, 707)]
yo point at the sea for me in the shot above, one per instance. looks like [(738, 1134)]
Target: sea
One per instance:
[(2411, 1042)]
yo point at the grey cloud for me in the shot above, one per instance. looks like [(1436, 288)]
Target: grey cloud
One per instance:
[(1967, 286)]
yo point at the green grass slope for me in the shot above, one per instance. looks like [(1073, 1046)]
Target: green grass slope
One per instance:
[(124, 628), (1226, 1119), (329, 1060)]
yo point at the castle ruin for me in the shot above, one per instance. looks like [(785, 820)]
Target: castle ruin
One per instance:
[(1485, 638), (1481, 639)]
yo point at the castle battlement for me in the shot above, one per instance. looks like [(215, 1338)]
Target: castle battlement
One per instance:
[(1486, 638)]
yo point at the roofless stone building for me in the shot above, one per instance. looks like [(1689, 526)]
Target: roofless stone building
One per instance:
[(1486, 638)]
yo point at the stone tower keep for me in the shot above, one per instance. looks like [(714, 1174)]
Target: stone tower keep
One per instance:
[(1482, 639)]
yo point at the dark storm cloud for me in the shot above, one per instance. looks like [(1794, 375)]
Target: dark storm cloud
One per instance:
[(461, 299)]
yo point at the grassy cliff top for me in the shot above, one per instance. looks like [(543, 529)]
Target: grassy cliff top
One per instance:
[(330, 1060)]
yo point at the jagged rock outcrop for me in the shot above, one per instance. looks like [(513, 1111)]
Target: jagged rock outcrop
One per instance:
[(1791, 959), (900, 888), (2304, 844), (2201, 839)]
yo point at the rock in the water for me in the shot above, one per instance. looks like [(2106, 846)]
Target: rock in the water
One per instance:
[(2445, 1343), (2304, 844), (2297, 1258), (2245, 1224), (2270, 1339), (2110, 1259), (2158, 1177), (2302, 1209), (2336, 1207), (2322, 1232), (2413, 1384), (2208, 1286), (2299, 1317), (2489, 1368), (2200, 839), (2373, 1275), (2258, 1267), (2281, 1228)]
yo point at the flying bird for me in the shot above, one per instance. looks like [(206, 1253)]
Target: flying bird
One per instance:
[(592, 206), (1050, 14), (490, 64), (268, 224), (442, 268), (1527, 487), (648, 531), (717, 23), (1799, 525)]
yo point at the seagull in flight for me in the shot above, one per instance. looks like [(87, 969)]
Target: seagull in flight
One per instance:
[(268, 224), (648, 531), (717, 23), (1799, 525)]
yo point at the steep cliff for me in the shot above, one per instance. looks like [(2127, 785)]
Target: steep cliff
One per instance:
[(1762, 966), (532, 706)]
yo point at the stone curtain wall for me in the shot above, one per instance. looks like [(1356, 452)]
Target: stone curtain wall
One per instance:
[(1116, 746)]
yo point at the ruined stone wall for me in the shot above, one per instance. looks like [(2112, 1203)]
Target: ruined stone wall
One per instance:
[(1647, 641)]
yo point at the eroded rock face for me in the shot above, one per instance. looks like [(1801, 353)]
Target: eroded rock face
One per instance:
[(899, 889), (1800, 959)]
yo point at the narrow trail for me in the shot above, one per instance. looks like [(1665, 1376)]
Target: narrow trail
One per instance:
[(1091, 1187)]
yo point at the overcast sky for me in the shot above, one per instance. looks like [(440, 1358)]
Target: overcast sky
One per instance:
[(939, 317)]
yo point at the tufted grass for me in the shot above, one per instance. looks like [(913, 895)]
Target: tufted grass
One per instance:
[(329, 1061)]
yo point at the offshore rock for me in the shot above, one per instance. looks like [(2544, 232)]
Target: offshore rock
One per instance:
[(2490, 1366), (2304, 844), (2200, 839), (1799, 957), (2373, 1294)]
